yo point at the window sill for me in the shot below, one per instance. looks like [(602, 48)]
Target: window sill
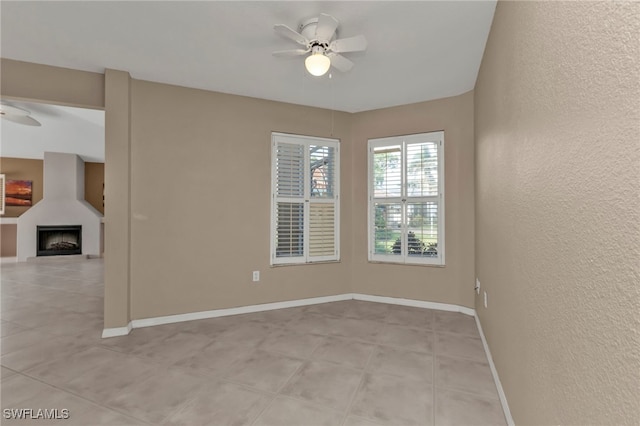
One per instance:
[(382, 262), (324, 262)]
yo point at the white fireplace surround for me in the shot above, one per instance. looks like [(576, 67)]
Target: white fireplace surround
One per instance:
[(63, 203)]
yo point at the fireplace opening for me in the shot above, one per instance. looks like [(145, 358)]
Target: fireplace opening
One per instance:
[(59, 240)]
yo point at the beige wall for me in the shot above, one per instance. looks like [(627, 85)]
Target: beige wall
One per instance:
[(54, 85), (200, 201), (453, 283), (8, 240), (557, 209), (94, 185)]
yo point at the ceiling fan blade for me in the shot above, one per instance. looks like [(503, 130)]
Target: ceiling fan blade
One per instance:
[(327, 25), (339, 62), (22, 119), (11, 110), (350, 44), (287, 32), (293, 52)]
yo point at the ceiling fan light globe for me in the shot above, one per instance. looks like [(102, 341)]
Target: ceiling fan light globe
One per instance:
[(317, 64)]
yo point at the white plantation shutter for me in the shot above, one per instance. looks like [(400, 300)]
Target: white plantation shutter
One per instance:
[(406, 199), (322, 230), (305, 209)]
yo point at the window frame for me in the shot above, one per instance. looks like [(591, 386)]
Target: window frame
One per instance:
[(308, 200), (404, 140)]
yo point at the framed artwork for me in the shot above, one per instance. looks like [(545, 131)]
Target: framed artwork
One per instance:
[(18, 192)]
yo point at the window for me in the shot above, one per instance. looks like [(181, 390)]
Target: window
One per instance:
[(304, 199), (406, 199)]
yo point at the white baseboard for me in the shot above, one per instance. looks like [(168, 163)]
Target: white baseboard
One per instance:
[(8, 260), (496, 379), (170, 319), (117, 331), (415, 303), (148, 322)]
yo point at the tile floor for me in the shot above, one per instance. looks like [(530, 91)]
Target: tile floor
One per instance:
[(344, 363)]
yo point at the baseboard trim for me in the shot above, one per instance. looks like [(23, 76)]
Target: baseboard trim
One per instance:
[(169, 319), (8, 260), (192, 316), (117, 331), (415, 303), (496, 379)]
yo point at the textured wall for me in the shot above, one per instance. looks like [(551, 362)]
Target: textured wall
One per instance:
[(557, 209)]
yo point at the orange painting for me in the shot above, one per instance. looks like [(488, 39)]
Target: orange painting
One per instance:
[(18, 193)]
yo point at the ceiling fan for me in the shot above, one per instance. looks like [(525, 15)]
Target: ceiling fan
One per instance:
[(18, 115), (318, 36)]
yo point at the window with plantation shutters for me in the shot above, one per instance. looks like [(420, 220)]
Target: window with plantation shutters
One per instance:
[(406, 199), (304, 199)]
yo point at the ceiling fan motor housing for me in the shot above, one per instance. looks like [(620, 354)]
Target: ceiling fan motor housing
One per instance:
[(308, 30)]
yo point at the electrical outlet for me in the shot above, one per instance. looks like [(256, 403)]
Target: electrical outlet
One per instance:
[(256, 275), (477, 286), (485, 299)]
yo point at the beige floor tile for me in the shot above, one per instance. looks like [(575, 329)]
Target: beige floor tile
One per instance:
[(172, 348), (357, 329), (456, 322), (46, 351), (110, 379), (459, 408), (411, 317), (216, 358), (413, 339), (9, 328), (79, 411), (263, 370), (220, 403), (344, 351), (289, 342), (19, 388), (246, 331), (459, 345), (23, 339), (465, 375), (155, 397), (276, 317), (359, 421), (367, 310), (393, 400), (101, 416), (285, 411), (61, 371), (324, 384), (6, 373), (402, 362), (313, 324)]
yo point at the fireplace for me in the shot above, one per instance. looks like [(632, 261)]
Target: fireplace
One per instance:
[(59, 240)]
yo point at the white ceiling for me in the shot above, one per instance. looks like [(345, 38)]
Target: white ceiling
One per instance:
[(64, 129), (418, 51)]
